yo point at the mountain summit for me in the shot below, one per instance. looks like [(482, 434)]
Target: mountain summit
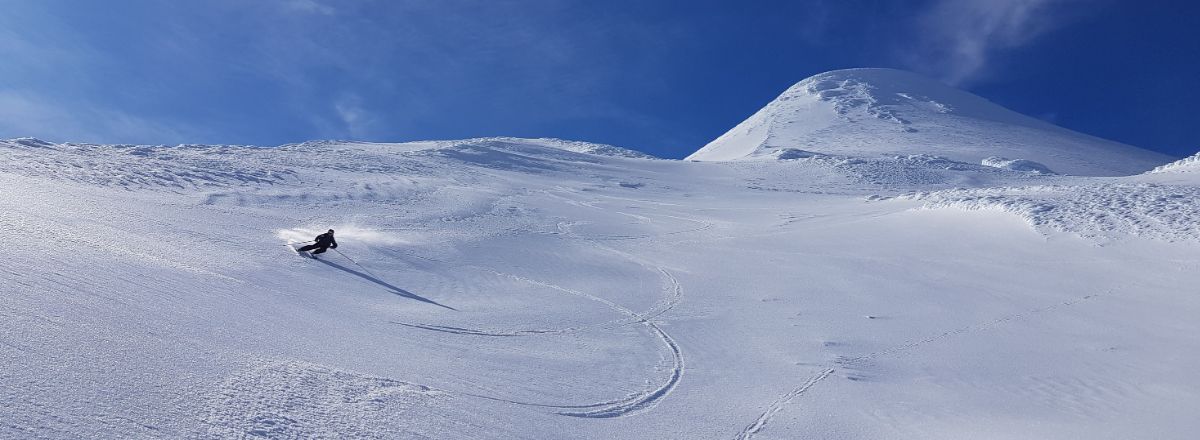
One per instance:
[(871, 112)]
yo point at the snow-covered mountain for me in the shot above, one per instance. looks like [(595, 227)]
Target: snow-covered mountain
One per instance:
[(507, 288), (873, 112)]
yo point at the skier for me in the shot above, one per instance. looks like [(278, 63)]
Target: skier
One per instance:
[(323, 243)]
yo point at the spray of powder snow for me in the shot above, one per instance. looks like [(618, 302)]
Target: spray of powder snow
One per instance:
[(346, 233)]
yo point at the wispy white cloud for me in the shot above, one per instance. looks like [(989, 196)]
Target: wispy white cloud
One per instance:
[(308, 6), (427, 57), (25, 114), (296, 69), (356, 119), (958, 38)]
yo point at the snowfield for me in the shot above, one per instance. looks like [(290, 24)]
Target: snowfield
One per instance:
[(507, 288), (850, 287)]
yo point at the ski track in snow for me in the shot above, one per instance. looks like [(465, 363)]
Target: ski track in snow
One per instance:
[(629, 405), (760, 423), (292, 398), (565, 227), (631, 316), (477, 332), (634, 403), (643, 401), (964, 330), (777, 405), (704, 226)]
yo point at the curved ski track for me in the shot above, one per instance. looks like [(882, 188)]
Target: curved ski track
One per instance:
[(565, 229), (626, 406), (645, 400), (631, 316), (631, 404)]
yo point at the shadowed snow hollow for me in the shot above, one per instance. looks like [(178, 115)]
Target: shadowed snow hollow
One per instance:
[(869, 112)]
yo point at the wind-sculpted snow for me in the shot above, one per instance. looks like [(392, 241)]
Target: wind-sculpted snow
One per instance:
[(1100, 210), (543, 146), (815, 172), (503, 288), (576, 146), (190, 167), (1016, 165), (1190, 164), (872, 112), (130, 166), (278, 400)]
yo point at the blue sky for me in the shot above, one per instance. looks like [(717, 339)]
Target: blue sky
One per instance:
[(660, 76)]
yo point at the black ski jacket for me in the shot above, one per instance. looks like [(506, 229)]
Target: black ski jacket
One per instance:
[(326, 240)]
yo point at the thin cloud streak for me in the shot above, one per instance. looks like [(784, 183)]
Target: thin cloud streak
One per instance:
[(959, 38), (392, 71), (24, 114), (356, 120)]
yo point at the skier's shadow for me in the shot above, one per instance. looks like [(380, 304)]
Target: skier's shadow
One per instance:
[(391, 288)]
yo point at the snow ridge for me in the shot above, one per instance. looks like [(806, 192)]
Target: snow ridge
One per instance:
[(1102, 211), (191, 166), (1188, 164)]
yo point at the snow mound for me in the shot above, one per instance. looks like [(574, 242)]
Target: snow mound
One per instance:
[(1016, 165), (794, 153), (868, 112), (588, 148), (1188, 164), (1098, 211), (30, 142), (582, 147)]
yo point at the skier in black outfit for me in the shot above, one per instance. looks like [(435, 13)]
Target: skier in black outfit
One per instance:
[(323, 243)]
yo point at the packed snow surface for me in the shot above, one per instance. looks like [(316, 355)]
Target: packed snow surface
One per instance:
[(867, 112), (511, 288)]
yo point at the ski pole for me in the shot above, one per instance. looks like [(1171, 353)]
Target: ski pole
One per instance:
[(348, 258), (368, 271)]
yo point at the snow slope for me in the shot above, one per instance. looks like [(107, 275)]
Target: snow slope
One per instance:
[(507, 288), (872, 112)]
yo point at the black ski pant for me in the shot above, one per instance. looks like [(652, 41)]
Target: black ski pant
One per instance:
[(319, 249)]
